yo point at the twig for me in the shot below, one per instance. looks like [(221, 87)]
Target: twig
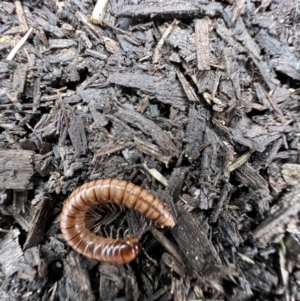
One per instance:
[(162, 40), (19, 45), (275, 108), (124, 32)]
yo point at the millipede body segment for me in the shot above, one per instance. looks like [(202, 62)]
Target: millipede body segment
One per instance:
[(122, 193)]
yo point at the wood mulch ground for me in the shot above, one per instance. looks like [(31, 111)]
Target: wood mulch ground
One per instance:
[(197, 101)]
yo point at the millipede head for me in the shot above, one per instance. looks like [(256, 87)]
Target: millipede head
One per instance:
[(135, 245), (132, 250)]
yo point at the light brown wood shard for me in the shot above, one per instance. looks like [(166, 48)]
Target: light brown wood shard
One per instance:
[(202, 43)]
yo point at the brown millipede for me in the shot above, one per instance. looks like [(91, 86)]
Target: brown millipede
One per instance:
[(123, 193)]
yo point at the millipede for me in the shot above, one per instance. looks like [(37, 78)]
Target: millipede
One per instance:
[(103, 191)]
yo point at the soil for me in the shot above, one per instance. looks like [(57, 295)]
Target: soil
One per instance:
[(197, 101)]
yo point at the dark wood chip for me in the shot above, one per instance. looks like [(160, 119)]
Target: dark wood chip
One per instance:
[(16, 169), (173, 9), (151, 150), (272, 228), (77, 281), (193, 242), (164, 89), (77, 135), (42, 213), (251, 178), (149, 128)]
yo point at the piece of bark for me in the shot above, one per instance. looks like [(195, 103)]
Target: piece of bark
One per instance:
[(111, 282), (286, 64), (292, 155), (233, 70), (190, 202), (184, 41), (195, 134), (238, 6), (168, 245), (252, 135), (21, 16), (54, 249), (266, 70), (143, 104), (42, 213), (95, 31), (96, 54), (193, 243), (280, 128), (174, 264), (227, 232), (51, 17), (189, 91), (20, 209), (151, 150), (241, 34), (157, 50), (202, 43), (223, 200), (292, 245), (159, 295), (276, 180), (264, 159), (261, 95), (16, 169), (77, 135), (42, 164), (149, 128), (273, 228), (72, 73), (110, 148), (226, 35), (61, 43), (250, 177), (62, 56), (170, 9), (258, 276), (175, 182), (19, 78), (78, 285), (206, 82), (284, 59), (165, 90), (12, 258), (181, 287), (270, 44), (10, 252)]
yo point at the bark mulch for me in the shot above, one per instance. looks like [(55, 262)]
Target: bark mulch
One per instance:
[(197, 101)]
